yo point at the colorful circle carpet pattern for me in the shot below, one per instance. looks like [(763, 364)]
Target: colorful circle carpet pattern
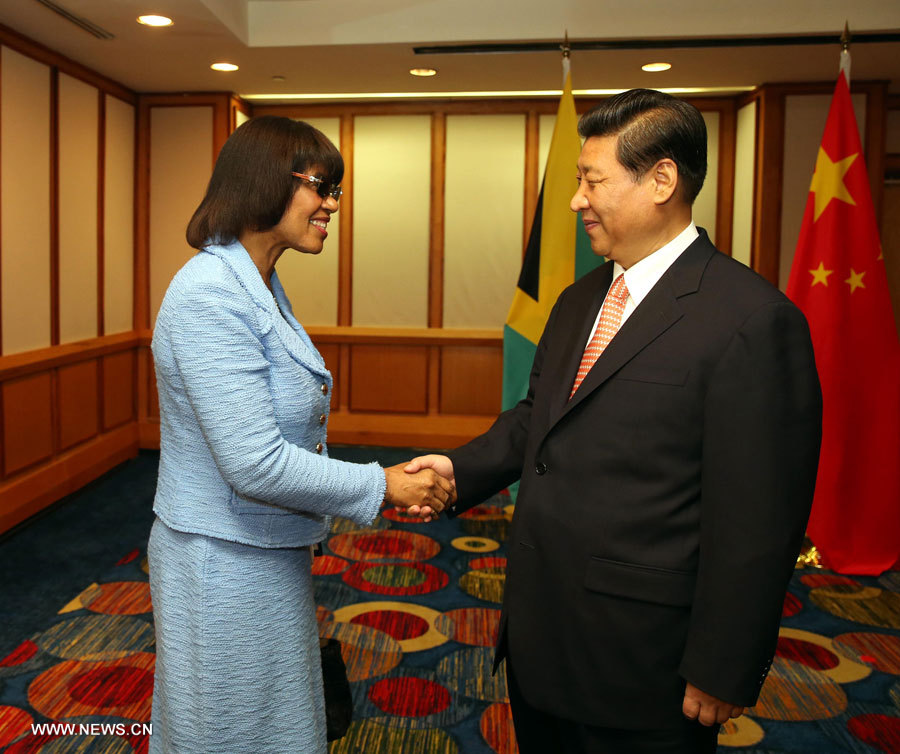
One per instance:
[(417, 610)]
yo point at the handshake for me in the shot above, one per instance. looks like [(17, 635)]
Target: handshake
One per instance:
[(423, 487)]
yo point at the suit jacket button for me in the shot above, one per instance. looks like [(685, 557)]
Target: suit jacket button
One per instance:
[(322, 420), (324, 388), (540, 468), (319, 447)]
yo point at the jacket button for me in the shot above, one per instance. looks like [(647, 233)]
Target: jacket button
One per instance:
[(322, 420), (541, 468), (324, 388), (319, 447)]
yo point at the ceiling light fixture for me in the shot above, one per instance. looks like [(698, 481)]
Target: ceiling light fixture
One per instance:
[(155, 20), (423, 71), (656, 67), (224, 67)]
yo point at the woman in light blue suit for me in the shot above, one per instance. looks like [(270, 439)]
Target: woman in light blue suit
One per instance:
[(245, 482)]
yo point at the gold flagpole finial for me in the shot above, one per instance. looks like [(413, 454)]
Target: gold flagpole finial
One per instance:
[(809, 555), (566, 49), (846, 37)]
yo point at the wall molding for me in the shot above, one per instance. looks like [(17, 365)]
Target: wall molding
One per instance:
[(40, 360)]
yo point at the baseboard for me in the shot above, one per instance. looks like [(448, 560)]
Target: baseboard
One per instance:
[(24, 495)]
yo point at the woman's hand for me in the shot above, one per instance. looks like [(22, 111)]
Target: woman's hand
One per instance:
[(425, 489)]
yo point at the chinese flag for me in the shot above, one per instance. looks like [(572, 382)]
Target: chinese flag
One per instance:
[(838, 280)]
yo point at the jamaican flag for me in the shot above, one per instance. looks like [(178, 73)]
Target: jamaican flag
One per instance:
[(558, 252)]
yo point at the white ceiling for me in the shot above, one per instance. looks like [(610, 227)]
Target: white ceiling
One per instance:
[(365, 46)]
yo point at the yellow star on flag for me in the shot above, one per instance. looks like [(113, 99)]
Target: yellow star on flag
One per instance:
[(820, 275), (828, 181), (855, 280)]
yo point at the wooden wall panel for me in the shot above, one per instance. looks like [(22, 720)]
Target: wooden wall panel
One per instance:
[(24, 203), (118, 217), (483, 237), (119, 375), (27, 421), (78, 187), (471, 380), (745, 149), (77, 403), (388, 378), (181, 147), (390, 243)]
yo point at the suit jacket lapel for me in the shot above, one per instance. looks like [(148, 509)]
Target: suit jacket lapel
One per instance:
[(579, 322), (655, 314), (294, 338)]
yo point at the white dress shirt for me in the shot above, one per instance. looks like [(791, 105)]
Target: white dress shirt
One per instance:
[(642, 276)]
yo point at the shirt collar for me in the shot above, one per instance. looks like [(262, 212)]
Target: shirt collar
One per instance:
[(642, 276)]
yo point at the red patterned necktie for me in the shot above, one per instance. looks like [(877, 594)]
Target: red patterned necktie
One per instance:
[(610, 321)]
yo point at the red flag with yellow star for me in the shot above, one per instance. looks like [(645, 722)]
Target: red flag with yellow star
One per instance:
[(839, 281)]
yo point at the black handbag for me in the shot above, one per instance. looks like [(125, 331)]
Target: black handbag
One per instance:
[(338, 699)]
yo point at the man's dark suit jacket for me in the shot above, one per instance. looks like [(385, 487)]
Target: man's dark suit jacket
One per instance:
[(661, 510)]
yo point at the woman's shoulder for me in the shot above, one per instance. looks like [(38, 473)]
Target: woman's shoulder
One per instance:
[(205, 273), (205, 284)]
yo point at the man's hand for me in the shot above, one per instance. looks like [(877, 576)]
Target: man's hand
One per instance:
[(698, 705), (423, 493), (440, 464)]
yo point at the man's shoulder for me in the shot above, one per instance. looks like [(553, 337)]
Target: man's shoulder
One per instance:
[(730, 278)]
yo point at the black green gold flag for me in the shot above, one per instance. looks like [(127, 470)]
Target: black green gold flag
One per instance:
[(558, 252)]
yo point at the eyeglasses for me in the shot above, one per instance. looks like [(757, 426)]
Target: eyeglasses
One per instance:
[(321, 188)]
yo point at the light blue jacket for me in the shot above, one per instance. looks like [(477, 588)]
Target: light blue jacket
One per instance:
[(244, 400)]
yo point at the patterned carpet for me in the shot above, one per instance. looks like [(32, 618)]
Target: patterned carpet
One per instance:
[(416, 608)]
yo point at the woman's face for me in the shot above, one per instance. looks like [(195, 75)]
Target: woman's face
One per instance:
[(304, 225)]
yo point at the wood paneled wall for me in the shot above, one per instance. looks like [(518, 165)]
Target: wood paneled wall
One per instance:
[(67, 345)]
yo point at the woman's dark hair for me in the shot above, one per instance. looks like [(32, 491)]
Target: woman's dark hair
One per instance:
[(251, 184), (652, 125)]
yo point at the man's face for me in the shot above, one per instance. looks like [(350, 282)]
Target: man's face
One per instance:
[(615, 209)]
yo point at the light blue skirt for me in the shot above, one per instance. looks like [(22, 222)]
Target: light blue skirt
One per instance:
[(238, 664)]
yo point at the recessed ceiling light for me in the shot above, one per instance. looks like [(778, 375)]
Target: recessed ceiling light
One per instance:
[(656, 67), (155, 20), (423, 71), (278, 77), (224, 67)]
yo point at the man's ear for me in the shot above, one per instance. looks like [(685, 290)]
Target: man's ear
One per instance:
[(665, 180)]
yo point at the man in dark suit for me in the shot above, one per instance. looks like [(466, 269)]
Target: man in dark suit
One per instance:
[(667, 450)]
